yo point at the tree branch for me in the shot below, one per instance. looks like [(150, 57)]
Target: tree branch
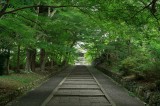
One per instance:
[(147, 6), (153, 9), (34, 6), (5, 6), (35, 23), (155, 18)]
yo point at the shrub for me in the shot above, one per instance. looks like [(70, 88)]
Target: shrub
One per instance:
[(135, 63), (127, 65)]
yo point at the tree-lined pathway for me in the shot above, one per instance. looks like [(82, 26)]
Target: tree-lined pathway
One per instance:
[(78, 86)]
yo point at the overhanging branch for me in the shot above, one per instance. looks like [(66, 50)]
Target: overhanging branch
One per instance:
[(35, 23), (5, 6), (153, 9), (147, 6), (35, 6)]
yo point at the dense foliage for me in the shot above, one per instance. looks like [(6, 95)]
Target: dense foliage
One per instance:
[(118, 33), (130, 43)]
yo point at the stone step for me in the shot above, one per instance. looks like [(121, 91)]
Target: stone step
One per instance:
[(78, 101), (77, 92), (79, 79), (79, 82), (78, 86)]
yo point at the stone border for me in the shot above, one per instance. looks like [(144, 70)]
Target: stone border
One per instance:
[(152, 98)]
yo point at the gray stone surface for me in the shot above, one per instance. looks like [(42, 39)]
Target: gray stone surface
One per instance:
[(80, 82), (78, 86), (78, 89), (38, 95), (80, 77), (87, 92), (78, 101), (116, 92), (91, 79)]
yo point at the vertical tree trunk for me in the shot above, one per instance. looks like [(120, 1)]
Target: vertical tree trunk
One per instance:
[(18, 59), (6, 65), (42, 59), (28, 61), (129, 47), (52, 64), (49, 11), (33, 59), (64, 62), (109, 59)]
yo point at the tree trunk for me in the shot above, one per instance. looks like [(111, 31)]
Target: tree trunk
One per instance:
[(6, 65), (18, 59), (33, 59), (52, 64), (129, 47), (42, 59), (28, 61), (64, 62)]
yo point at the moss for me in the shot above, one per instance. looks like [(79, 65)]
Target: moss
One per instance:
[(14, 81), (14, 85)]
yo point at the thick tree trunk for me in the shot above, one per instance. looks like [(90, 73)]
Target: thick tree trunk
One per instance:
[(42, 59), (18, 59)]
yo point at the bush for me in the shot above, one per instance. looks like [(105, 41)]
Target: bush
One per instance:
[(127, 65), (135, 63)]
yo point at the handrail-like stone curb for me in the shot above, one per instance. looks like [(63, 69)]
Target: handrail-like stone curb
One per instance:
[(146, 96)]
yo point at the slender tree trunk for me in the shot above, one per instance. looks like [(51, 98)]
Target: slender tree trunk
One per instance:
[(109, 59), (18, 59), (33, 59), (49, 11), (28, 61), (129, 47), (6, 65), (52, 64), (64, 62), (42, 59)]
